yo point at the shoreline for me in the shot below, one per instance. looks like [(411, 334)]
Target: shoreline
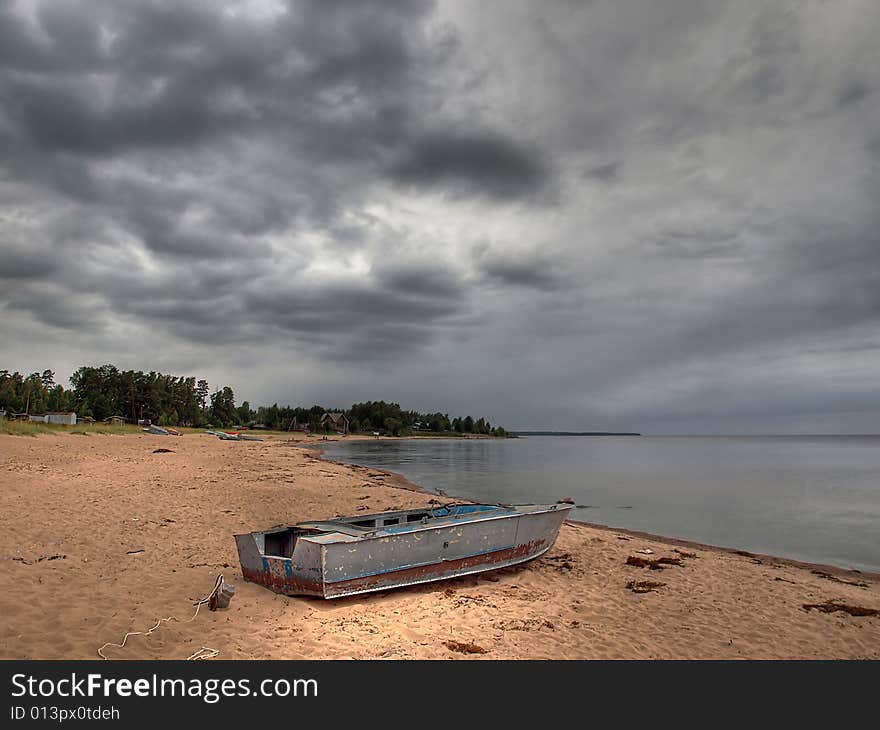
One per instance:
[(403, 483), (101, 536)]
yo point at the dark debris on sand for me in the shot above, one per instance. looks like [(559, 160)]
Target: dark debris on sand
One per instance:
[(644, 586), (655, 564), (465, 647), (833, 606), (829, 576)]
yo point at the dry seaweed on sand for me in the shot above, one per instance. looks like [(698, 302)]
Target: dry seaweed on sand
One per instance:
[(829, 576), (560, 562), (655, 564), (464, 647), (832, 606), (644, 586), (20, 559)]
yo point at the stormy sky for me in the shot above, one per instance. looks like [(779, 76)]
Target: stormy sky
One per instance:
[(660, 215)]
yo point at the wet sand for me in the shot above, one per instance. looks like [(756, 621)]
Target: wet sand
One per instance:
[(101, 536)]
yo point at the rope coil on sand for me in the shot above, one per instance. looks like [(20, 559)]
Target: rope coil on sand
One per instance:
[(204, 652)]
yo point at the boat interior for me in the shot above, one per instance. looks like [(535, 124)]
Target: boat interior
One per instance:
[(406, 517), (281, 543)]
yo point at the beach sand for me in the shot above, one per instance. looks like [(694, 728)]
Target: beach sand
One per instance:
[(100, 536)]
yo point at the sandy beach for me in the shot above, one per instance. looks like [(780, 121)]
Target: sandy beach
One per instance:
[(101, 535)]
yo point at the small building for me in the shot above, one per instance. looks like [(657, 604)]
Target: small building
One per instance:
[(37, 418), (86, 419), (336, 421), (65, 419), (115, 420)]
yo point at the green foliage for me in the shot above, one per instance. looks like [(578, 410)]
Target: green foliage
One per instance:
[(243, 414), (36, 393), (391, 419), (223, 407), (104, 391)]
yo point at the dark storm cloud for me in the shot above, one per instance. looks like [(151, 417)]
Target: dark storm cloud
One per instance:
[(675, 194), (528, 270), (336, 309), (476, 163), (23, 264), (419, 280), (194, 134), (64, 310)]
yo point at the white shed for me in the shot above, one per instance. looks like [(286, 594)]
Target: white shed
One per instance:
[(66, 419)]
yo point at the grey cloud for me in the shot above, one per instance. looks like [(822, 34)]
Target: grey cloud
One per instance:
[(420, 280), (479, 163), (704, 242), (17, 264), (339, 308), (528, 270), (606, 173), (853, 92), (63, 310)]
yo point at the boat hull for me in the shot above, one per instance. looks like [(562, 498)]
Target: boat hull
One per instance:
[(388, 561)]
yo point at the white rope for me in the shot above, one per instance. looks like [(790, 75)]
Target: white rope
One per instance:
[(203, 653)]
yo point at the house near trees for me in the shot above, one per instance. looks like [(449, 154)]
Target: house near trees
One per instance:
[(336, 422)]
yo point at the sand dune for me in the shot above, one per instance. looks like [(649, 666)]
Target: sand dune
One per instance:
[(101, 536)]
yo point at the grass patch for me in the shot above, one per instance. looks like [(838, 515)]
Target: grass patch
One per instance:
[(35, 428)]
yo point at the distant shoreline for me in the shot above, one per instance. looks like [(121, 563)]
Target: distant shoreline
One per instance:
[(574, 433)]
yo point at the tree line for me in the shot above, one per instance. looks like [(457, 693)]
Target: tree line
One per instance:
[(169, 400)]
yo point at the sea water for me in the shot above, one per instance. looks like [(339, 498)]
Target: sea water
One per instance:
[(811, 498)]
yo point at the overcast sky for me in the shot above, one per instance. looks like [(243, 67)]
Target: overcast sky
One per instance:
[(653, 215)]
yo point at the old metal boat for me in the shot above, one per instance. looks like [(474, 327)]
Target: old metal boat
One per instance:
[(349, 555)]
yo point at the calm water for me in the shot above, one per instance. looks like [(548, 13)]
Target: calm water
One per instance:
[(809, 498)]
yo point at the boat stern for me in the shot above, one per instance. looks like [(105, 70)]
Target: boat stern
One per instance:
[(300, 574)]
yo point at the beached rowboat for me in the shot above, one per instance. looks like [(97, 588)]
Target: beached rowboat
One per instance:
[(349, 555)]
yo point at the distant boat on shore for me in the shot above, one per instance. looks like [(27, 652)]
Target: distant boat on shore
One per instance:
[(350, 555)]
